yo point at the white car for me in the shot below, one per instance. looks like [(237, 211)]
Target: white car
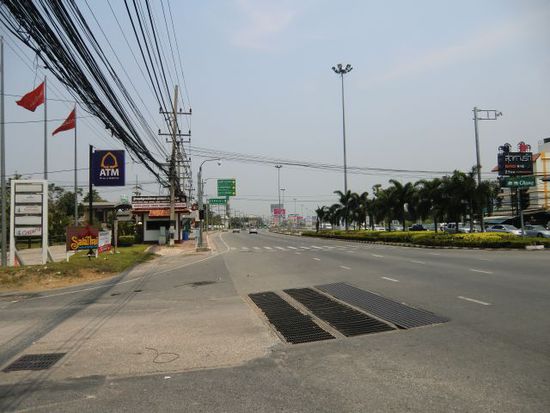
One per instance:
[(252, 230), (537, 231), (236, 230), (510, 229)]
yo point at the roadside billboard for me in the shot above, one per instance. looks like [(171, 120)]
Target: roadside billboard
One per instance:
[(108, 168), (82, 238)]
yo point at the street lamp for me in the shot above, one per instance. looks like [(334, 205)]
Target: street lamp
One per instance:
[(341, 70), (201, 190), (279, 189), (482, 114)]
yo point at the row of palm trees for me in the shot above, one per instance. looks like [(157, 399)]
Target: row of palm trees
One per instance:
[(447, 199)]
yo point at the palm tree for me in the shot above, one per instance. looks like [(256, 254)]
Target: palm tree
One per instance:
[(362, 209), (401, 195), (334, 214), (429, 201), (346, 200), (321, 216)]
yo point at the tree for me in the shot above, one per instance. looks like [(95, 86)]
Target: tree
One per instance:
[(429, 200), (346, 201), (321, 213), (95, 197), (400, 196)]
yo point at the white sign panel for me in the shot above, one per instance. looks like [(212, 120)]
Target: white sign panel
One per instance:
[(28, 209), (34, 188), (28, 231), (28, 198), (28, 220)]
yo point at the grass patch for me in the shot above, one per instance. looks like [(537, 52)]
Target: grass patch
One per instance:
[(78, 269), (430, 238)]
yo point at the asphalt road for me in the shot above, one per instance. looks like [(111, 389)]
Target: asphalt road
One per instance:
[(180, 334)]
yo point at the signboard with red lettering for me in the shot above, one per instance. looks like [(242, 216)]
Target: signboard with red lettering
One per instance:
[(82, 238)]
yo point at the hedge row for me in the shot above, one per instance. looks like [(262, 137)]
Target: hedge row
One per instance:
[(430, 238)]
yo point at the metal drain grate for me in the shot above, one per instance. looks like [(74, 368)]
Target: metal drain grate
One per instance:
[(399, 314), (346, 320), (291, 323), (34, 362)]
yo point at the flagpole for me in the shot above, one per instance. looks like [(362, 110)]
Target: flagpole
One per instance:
[(45, 130), (4, 245), (75, 174)]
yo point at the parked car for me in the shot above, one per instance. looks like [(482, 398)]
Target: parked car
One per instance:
[(379, 228), (252, 230), (451, 228), (510, 229), (417, 227), (236, 230), (537, 231)]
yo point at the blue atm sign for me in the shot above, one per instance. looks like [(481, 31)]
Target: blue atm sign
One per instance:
[(108, 168)]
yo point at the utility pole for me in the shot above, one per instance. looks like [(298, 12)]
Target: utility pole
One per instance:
[(176, 159), (279, 192), (482, 114)]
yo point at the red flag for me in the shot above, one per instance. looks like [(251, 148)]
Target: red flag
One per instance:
[(33, 99), (70, 123)]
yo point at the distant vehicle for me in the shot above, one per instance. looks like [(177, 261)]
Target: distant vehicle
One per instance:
[(417, 227), (379, 228), (510, 229), (451, 228), (537, 231), (396, 227), (236, 230), (252, 230)]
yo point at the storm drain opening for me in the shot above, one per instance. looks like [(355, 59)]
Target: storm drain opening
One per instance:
[(346, 320), (294, 326), (396, 313), (34, 362)]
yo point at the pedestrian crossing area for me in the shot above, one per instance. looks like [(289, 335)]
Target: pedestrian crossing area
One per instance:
[(278, 248)]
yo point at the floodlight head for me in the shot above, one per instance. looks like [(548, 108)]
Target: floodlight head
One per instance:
[(335, 71), (339, 66), (499, 114), (220, 163), (348, 68)]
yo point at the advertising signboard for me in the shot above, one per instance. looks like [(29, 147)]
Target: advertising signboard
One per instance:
[(515, 163), (147, 203), (518, 181), (104, 241), (108, 168), (28, 215), (82, 238), (279, 211)]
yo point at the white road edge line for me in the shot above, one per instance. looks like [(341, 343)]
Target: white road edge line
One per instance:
[(473, 301), (481, 271), (390, 279), (344, 267)]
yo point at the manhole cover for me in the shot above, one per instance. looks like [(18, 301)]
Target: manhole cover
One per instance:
[(399, 314), (34, 362), (294, 326), (343, 318)]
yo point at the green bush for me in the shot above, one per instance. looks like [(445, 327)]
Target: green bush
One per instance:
[(126, 240), (430, 238)]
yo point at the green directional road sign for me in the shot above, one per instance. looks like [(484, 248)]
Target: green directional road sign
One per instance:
[(217, 201), (518, 181), (227, 187)]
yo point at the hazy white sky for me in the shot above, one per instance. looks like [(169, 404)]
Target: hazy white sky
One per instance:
[(260, 81)]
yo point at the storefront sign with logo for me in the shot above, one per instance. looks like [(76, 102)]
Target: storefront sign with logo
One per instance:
[(108, 168), (82, 238), (148, 203)]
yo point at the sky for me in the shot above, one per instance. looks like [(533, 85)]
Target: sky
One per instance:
[(259, 81)]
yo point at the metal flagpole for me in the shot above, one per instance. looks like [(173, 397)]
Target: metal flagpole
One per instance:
[(45, 130), (75, 174), (4, 245)]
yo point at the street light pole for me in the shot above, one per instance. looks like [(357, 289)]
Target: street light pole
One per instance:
[(279, 191), (200, 188), (339, 69), (482, 114)]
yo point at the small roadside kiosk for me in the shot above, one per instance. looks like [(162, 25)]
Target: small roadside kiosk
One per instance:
[(153, 214)]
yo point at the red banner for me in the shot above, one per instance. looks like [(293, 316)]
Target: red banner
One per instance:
[(82, 238)]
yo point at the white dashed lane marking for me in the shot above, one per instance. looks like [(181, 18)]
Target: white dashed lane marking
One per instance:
[(280, 248), (377, 255), (390, 279), (473, 300), (292, 248), (344, 267), (418, 262), (317, 259), (481, 271), (316, 247), (305, 248), (257, 248), (268, 248)]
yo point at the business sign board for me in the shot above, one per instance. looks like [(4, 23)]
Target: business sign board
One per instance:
[(515, 163), (29, 214), (518, 181), (148, 203), (108, 168), (82, 238), (227, 187), (217, 201), (279, 211), (104, 241)]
